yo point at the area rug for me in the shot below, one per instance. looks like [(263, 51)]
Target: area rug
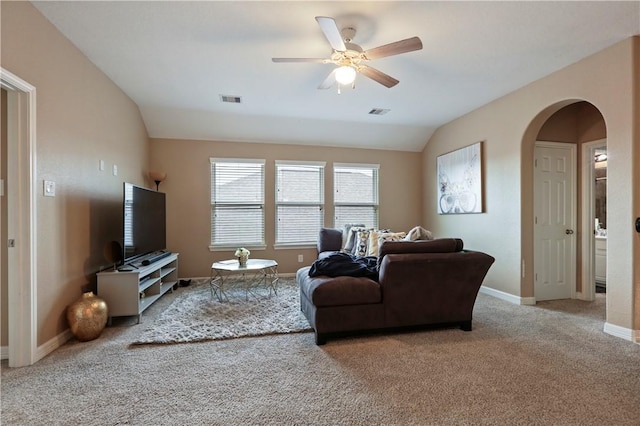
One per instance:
[(195, 316)]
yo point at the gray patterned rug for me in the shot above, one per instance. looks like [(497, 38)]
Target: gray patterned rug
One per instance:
[(195, 316)]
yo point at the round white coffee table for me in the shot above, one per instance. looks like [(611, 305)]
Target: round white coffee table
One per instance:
[(257, 272)]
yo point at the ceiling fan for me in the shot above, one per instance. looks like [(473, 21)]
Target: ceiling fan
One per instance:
[(351, 59)]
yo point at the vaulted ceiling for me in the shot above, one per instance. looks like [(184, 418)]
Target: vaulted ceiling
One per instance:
[(176, 59)]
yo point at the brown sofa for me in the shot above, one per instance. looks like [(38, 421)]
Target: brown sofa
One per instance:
[(420, 283)]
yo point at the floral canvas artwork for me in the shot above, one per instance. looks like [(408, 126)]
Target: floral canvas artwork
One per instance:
[(460, 181)]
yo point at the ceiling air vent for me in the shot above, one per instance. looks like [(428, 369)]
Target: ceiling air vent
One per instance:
[(231, 99), (379, 111)]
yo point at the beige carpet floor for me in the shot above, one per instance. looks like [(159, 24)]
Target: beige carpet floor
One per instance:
[(549, 364)]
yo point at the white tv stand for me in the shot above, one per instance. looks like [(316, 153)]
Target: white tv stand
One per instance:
[(129, 292)]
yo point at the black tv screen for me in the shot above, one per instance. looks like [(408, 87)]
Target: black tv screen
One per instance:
[(144, 221)]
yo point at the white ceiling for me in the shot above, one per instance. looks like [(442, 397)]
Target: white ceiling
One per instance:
[(175, 59)]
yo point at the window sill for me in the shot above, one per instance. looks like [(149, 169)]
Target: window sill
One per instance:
[(295, 246), (231, 248)]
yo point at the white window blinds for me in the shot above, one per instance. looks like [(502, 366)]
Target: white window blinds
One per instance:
[(355, 194), (237, 203), (299, 202)]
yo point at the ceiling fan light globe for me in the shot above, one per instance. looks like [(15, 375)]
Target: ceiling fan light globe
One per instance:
[(345, 75)]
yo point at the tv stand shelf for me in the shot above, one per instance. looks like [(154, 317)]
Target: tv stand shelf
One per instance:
[(130, 292)]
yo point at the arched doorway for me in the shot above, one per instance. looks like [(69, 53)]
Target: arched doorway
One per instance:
[(574, 122)]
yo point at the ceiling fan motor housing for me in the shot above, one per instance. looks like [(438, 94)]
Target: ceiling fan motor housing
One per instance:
[(348, 34)]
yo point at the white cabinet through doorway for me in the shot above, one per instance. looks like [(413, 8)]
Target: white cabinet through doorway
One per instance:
[(601, 260)]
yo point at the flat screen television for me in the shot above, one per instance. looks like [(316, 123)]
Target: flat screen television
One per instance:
[(145, 222)]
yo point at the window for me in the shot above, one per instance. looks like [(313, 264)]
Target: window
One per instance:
[(299, 202), (237, 203), (355, 194)]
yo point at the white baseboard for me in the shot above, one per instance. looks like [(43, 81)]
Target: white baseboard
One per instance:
[(53, 344), (622, 332), (288, 275), (45, 349), (516, 300)]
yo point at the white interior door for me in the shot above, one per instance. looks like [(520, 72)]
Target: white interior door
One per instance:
[(554, 221)]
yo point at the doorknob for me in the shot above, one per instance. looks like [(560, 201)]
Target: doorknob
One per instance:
[(568, 231)]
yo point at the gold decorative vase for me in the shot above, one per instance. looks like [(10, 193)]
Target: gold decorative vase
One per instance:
[(87, 317), (242, 260)]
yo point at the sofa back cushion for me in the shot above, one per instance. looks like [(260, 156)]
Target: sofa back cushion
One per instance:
[(329, 239), (439, 245)]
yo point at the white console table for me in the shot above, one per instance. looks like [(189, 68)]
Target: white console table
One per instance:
[(130, 292)]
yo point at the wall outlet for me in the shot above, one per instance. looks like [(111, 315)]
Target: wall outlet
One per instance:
[(300, 258)]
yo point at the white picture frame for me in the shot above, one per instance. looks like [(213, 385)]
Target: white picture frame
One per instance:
[(460, 181)]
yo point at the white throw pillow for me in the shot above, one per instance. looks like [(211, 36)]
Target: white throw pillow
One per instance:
[(391, 236)]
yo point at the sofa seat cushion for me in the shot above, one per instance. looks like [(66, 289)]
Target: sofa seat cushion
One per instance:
[(338, 291)]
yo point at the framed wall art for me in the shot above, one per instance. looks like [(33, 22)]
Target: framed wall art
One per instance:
[(460, 181)]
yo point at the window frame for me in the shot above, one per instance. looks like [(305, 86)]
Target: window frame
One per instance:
[(320, 203), (252, 245), (374, 203)]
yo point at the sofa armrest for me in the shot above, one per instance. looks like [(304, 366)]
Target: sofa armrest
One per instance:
[(422, 287), (329, 239)]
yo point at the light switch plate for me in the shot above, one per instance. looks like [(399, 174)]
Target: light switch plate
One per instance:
[(115, 170), (49, 188)]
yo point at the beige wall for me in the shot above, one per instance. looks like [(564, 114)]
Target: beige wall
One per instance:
[(188, 194), (509, 127), (82, 117)]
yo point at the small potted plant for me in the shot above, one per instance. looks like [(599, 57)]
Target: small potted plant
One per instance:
[(243, 255)]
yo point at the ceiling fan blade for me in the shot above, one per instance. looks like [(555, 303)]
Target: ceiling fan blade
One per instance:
[(331, 32), (402, 46), (316, 60), (378, 76), (329, 81)]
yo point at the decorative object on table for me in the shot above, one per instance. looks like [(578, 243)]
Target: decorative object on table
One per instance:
[(460, 181), (157, 177), (87, 317), (243, 255)]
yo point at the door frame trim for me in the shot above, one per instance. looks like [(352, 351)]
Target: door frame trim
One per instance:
[(573, 148), (21, 218), (588, 284)]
